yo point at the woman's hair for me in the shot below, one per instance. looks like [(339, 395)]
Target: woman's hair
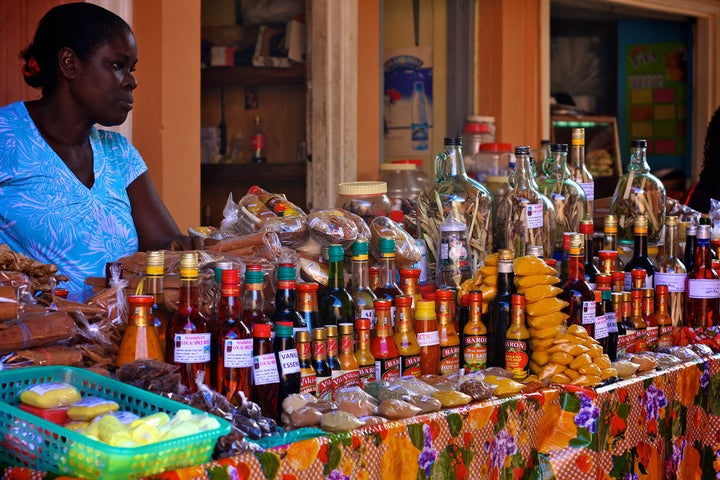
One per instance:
[(81, 26), (710, 173)]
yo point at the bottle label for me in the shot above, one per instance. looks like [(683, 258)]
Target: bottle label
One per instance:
[(368, 313), (367, 375), (534, 215), (265, 369), (308, 381), (516, 358), (674, 281), (703, 288), (387, 369), (238, 353), (641, 344), (475, 353), (449, 360), (601, 327), (257, 141), (324, 388), (652, 335), (428, 339), (289, 362), (192, 348), (410, 365), (611, 321), (332, 347), (665, 336), (347, 379), (588, 313), (589, 189), (622, 346)]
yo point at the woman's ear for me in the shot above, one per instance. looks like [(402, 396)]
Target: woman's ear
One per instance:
[(67, 62)]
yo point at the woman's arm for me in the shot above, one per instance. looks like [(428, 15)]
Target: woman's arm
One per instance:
[(155, 226)]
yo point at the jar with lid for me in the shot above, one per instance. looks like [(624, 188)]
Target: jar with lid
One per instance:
[(367, 199), (478, 130), (402, 185), (491, 160), (420, 175)]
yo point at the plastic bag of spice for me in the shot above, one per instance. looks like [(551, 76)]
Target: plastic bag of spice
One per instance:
[(407, 251)]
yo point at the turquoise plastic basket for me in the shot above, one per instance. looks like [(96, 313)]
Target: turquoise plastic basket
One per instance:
[(30, 441)]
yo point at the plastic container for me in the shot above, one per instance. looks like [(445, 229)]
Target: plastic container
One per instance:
[(31, 441), (490, 161), (402, 184), (367, 199), (478, 130), (421, 176)]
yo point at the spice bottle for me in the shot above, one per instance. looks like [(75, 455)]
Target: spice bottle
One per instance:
[(499, 310), (638, 321), (405, 338), (288, 362), (672, 273), (517, 340), (651, 332), (663, 318), (578, 169), (308, 304), (703, 286), (348, 362), (382, 343), (449, 339), (359, 288), (335, 303), (265, 387), (426, 330), (363, 355), (307, 371), (475, 336), (323, 374), (154, 285), (140, 339)]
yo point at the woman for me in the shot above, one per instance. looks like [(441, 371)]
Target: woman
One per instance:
[(72, 194), (709, 184)]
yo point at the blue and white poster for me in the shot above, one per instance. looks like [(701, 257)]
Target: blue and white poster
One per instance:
[(408, 101)]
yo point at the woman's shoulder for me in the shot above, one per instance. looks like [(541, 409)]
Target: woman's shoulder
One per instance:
[(13, 114)]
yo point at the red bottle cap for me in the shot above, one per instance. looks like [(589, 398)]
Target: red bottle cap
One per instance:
[(382, 304), (410, 272), (230, 276), (607, 254), (474, 296), (617, 276), (637, 293), (141, 299), (307, 287), (403, 301), (428, 295), (261, 330), (662, 289), (518, 299), (363, 324), (551, 262), (465, 300), (638, 274), (444, 294), (586, 227)]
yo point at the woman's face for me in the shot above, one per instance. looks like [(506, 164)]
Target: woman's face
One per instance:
[(104, 85)]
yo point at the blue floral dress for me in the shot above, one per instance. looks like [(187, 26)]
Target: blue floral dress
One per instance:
[(47, 214)]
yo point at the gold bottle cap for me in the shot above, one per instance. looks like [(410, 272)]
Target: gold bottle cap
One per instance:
[(610, 220), (648, 292), (346, 329), (302, 336), (641, 221), (156, 258), (577, 240), (331, 330), (318, 334), (626, 296), (671, 220), (578, 136), (189, 260), (505, 254)]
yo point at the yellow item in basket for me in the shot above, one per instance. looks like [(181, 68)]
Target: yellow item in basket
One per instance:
[(532, 265), (538, 292), (545, 306), (595, 351), (91, 407), (492, 259), (544, 333), (532, 280), (568, 338), (50, 395)]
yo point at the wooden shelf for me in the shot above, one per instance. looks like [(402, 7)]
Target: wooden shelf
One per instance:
[(229, 76)]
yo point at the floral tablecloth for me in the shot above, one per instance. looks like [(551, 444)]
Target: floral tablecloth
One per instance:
[(659, 425)]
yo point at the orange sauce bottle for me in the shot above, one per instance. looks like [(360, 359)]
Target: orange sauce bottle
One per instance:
[(448, 336), (405, 338), (382, 344)]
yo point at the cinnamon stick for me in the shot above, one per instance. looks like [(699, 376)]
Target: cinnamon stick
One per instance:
[(35, 331), (9, 306), (242, 242), (52, 355)]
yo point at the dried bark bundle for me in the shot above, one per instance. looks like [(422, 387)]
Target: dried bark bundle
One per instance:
[(9, 305), (35, 331), (43, 276), (51, 355), (151, 375)]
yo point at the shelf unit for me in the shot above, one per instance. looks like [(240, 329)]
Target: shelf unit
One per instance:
[(247, 75)]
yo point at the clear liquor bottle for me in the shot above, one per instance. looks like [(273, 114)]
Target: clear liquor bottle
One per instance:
[(335, 304), (359, 287), (703, 286), (671, 272), (577, 291), (578, 169)]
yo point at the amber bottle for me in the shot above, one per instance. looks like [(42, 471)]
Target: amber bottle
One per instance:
[(323, 374), (651, 332), (405, 338), (426, 331), (449, 338), (350, 367), (382, 343), (576, 291), (265, 388), (140, 339), (663, 318), (307, 371), (702, 304), (638, 321), (517, 340), (154, 285), (475, 336), (363, 355)]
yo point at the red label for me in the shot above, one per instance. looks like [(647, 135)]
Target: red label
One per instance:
[(348, 378), (286, 285), (332, 346), (304, 350), (475, 352), (347, 344), (387, 369), (257, 142), (410, 365), (516, 358), (367, 375), (324, 386), (308, 382), (641, 344), (665, 337), (319, 349), (652, 336), (449, 360)]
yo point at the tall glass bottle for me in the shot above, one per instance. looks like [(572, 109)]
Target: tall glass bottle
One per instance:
[(346, 355), (639, 192), (523, 219), (154, 285), (453, 265), (578, 169), (265, 386), (456, 191), (288, 362), (363, 355), (387, 288), (576, 291), (638, 321), (308, 304), (690, 246), (517, 340), (663, 319), (307, 371), (640, 258), (140, 339), (610, 239), (609, 311), (651, 326), (362, 295), (567, 197), (253, 300), (591, 271), (475, 336), (449, 338), (190, 342), (382, 343), (622, 335), (286, 298), (702, 303), (335, 303), (427, 336), (234, 341), (405, 338), (670, 271), (323, 374), (498, 315)]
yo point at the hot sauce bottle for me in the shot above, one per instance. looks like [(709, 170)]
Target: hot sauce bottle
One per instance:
[(475, 338), (638, 321), (348, 362), (363, 355), (190, 342), (449, 339), (307, 371), (382, 343), (650, 319), (405, 338), (265, 387), (663, 319), (426, 331), (333, 350), (622, 335), (409, 284), (323, 374), (140, 339), (517, 340)]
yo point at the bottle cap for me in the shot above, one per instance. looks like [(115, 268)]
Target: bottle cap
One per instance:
[(230, 276), (444, 294), (188, 260), (638, 274), (360, 249), (412, 161), (703, 232), (362, 188), (635, 294), (284, 329), (425, 306), (522, 150), (586, 226), (254, 274), (331, 330), (384, 167), (535, 250), (607, 254), (261, 330), (306, 287), (474, 127), (671, 220), (382, 304), (403, 301), (219, 267), (505, 254), (335, 253), (577, 134), (141, 299), (518, 299), (396, 216), (496, 147), (318, 334), (603, 279), (577, 240), (662, 289), (410, 272), (648, 292), (641, 222), (155, 258), (638, 143), (465, 300), (475, 296), (566, 240), (363, 323), (346, 328), (452, 141), (302, 336), (387, 245), (558, 147), (286, 272)]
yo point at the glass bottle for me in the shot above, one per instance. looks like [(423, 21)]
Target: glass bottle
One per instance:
[(671, 272), (610, 240), (578, 169), (449, 339), (265, 387), (374, 273), (363, 355), (702, 302), (638, 321), (607, 261), (639, 192), (517, 340), (610, 318), (140, 339), (565, 258), (631, 331), (576, 291), (651, 326), (308, 304), (335, 303), (382, 343), (419, 126), (498, 315), (409, 284), (258, 142), (475, 335), (362, 295), (426, 331), (234, 341), (323, 374), (453, 266), (286, 298), (253, 301), (154, 285), (663, 318), (387, 288), (463, 311), (307, 371), (591, 271), (333, 352), (405, 338), (288, 362), (568, 198), (601, 326), (346, 355), (640, 258), (190, 339), (523, 219), (455, 191), (690, 246), (622, 338)]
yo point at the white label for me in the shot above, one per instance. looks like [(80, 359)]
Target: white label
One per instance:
[(427, 339), (589, 189), (674, 281), (192, 348), (289, 362), (703, 288), (588, 313), (601, 327), (43, 388), (265, 369), (505, 267), (368, 313), (534, 215), (238, 353), (611, 321), (93, 402)]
